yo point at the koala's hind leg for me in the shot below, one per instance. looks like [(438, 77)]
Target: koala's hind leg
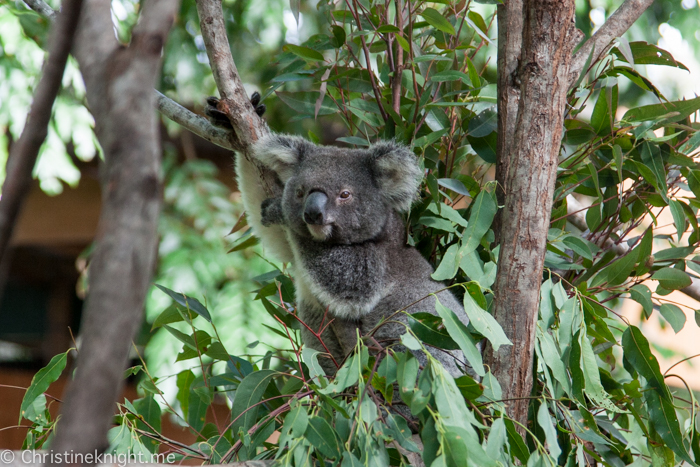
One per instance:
[(271, 211), (337, 336)]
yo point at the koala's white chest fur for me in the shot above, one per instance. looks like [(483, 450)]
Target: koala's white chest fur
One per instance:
[(336, 305)]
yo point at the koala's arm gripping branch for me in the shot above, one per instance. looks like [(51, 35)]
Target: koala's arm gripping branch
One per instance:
[(197, 124), (247, 125), (255, 182)]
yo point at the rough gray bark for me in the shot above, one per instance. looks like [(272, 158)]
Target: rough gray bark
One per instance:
[(42, 8), (24, 153), (197, 124), (549, 37), (119, 82)]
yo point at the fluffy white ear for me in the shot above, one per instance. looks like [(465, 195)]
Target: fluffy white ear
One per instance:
[(397, 173), (281, 153)]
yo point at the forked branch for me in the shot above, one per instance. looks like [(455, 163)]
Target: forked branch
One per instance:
[(618, 23)]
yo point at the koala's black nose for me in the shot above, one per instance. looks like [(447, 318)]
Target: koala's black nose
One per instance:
[(315, 208)]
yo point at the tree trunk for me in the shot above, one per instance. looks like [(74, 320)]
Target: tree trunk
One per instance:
[(549, 36), (510, 38), (119, 82)]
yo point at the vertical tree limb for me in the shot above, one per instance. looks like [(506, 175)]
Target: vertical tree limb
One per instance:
[(119, 83), (248, 127), (526, 165), (24, 153), (549, 37), (510, 38), (398, 63)]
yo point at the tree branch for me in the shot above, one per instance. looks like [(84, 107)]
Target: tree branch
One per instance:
[(42, 8), (614, 27), (248, 127), (197, 124), (577, 216), (24, 153)]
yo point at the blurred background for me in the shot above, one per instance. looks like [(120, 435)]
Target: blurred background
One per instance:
[(43, 286)]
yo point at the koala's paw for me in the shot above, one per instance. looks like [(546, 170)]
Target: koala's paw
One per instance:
[(255, 100), (218, 118), (271, 212)]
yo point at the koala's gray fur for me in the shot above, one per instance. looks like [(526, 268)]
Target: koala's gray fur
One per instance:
[(350, 260)]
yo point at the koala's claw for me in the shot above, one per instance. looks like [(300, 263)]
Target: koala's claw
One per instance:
[(255, 100), (212, 101), (216, 117), (220, 119)]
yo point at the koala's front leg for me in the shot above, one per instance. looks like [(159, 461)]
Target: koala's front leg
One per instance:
[(271, 210), (220, 119)]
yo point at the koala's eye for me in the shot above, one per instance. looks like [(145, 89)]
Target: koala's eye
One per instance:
[(299, 193), (345, 194)]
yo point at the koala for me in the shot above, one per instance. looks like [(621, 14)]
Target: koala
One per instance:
[(340, 214), (338, 221)]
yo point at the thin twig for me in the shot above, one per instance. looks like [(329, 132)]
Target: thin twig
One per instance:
[(24, 389), (368, 59)]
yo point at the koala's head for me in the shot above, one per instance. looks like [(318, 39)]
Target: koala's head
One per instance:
[(338, 194)]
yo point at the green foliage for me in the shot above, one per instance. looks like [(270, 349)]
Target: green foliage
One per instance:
[(70, 136), (599, 394)]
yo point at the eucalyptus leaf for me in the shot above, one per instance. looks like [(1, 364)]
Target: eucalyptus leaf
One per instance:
[(662, 414), (42, 380), (483, 211), (638, 354), (667, 112), (641, 294), (674, 315), (544, 419), (244, 410), (484, 323), (672, 279), (188, 302), (458, 331), (322, 436), (304, 52), (436, 20)]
